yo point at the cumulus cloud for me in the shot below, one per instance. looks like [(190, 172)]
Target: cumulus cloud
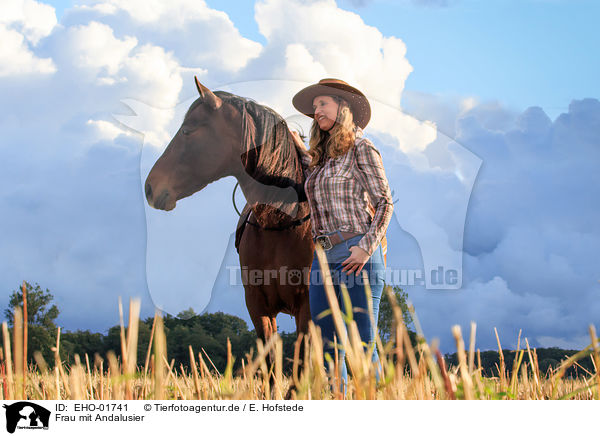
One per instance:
[(33, 19), (73, 200), (22, 24), (197, 35), (339, 41), (529, 241), (95, 47), (16, 58)]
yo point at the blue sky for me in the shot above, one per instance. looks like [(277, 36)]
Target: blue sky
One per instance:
[(486, 114)]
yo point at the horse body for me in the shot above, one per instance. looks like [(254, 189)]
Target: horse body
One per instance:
[(225, 135), (284, 258)]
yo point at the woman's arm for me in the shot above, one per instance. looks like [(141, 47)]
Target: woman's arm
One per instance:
[(371, 175)]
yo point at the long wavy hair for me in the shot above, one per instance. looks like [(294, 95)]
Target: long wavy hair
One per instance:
[(335, 142)]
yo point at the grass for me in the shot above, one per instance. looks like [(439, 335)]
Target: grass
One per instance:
[(407, 372)]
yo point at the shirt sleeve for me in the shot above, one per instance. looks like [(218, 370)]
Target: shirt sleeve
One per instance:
[(371, 175)]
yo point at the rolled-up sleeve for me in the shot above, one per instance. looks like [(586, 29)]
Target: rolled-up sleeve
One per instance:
[(371, 175)]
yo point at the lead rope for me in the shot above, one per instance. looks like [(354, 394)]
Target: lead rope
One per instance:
[(244, 124), (233, 199)]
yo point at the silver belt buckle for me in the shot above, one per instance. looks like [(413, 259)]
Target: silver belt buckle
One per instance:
[(324, 241)]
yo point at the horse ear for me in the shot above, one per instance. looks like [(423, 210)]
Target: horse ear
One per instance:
[(214, 101)]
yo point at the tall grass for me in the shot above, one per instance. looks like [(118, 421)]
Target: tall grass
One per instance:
[(406, 372)]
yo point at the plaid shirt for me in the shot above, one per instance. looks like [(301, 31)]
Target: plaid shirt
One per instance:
[(340, 190)]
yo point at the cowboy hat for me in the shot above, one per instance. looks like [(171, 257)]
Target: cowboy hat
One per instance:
[(359, 105)]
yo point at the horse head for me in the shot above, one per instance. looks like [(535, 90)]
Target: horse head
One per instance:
[(221, 135), (201, 151)]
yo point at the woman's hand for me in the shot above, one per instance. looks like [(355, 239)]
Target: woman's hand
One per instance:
[(356, 261), (296, 137)]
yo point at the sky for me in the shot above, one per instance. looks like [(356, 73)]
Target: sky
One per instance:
[(486, 115)]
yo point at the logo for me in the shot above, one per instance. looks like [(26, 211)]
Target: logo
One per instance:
[(26, 415)]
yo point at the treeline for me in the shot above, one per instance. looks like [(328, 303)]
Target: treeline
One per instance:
[(207, 333), (548, 359)]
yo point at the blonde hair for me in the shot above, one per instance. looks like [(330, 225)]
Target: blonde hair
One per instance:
[(338, 140)]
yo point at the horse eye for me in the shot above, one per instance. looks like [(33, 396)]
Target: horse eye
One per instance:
[(185, 131)]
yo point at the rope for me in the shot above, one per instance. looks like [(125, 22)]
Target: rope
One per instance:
[(233, 199)]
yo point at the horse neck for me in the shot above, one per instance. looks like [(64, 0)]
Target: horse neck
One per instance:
[(274, 205)]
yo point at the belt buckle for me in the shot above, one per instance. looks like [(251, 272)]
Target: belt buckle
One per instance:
[(324, 241)]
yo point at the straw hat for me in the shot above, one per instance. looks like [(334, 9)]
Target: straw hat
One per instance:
[(359, 105)]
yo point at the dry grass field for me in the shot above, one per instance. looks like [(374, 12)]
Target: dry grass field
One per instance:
[(407, 372)]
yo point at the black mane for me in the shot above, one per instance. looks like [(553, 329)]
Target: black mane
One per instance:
[(270, 155)]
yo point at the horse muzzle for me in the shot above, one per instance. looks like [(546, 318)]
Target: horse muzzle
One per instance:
[(163, 201)]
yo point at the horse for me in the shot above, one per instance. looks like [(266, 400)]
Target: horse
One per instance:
[(222, 135)]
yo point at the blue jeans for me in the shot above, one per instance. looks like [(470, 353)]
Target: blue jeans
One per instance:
[(375, 269)]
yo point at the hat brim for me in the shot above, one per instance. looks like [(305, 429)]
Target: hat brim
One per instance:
[(359, 105)]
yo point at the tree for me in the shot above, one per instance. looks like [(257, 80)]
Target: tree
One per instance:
[(386, 320), (187, 314), (81, 343), (40, 319), (38, 312)]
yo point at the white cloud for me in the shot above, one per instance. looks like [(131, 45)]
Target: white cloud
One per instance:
[(16, 58), (22, 24), (195, 33), (156, 75), (468, 103), (107, 130), (35, 20), (125, 69), (338, 40), (298, 58), (173, 14), (95, 47)]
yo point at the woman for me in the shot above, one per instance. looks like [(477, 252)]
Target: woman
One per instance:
[(350, 203)]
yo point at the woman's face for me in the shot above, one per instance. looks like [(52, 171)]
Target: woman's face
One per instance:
[(326, 109)]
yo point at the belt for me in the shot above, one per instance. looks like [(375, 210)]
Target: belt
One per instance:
[(328, 241)]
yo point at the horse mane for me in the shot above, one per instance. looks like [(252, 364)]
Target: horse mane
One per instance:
[(270, 155)]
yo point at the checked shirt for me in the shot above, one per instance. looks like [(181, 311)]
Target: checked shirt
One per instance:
[(340, 191)]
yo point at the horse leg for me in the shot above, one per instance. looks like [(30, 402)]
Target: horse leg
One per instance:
[(265, 326), (270, 357), (302, 317)]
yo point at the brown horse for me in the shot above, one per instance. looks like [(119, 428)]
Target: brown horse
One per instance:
[(226, 135)]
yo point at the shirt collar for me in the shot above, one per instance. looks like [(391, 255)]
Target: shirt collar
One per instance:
[(358, 133)]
